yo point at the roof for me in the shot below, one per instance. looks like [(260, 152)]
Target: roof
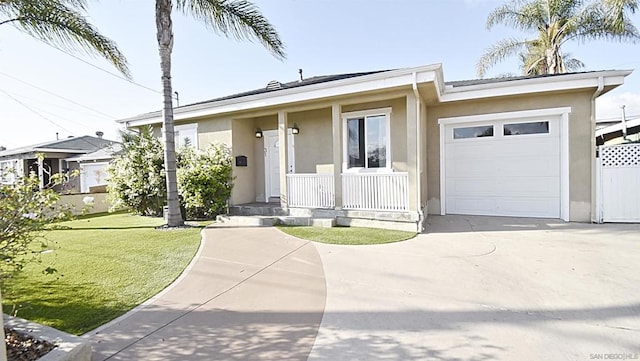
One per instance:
[(459, 83), (274, 86), (276, 93), (80, 145), (105, 153)]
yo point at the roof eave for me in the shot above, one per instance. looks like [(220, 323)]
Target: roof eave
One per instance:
[(611, 78), (377, 81)]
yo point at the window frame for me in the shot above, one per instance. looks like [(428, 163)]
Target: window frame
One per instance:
[(182, 127), (386, 113)]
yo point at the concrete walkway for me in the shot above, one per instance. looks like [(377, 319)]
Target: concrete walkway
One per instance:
[(251, 294)]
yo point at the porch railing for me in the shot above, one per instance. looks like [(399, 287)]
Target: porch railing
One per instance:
[(311, 190), (375, 191)]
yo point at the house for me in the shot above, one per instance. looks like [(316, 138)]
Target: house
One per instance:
[(610, 132), (387, 148), (93, 168), (22, 161)]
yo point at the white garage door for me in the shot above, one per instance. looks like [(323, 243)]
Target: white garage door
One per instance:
[(503, 168)]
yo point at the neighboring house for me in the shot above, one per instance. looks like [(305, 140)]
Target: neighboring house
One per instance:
[(611, 132), (93, 168), (24, 160), (387, 148)]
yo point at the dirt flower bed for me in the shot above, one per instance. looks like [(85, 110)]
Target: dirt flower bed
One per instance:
[(21, 347)]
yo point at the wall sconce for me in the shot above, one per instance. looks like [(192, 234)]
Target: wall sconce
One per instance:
[(258, 133), (295, 129)]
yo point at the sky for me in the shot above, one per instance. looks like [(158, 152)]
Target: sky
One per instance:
[(44, 91)]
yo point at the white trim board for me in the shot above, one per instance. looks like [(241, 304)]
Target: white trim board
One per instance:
[(561, 114)]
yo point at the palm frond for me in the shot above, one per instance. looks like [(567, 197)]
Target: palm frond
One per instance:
[(239, 19), (519, 14), (499, 52), (61, 23)]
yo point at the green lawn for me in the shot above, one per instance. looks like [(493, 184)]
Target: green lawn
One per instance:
[(347, 235), (106, 266)]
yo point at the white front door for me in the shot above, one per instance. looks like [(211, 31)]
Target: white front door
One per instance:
[(272, 162)]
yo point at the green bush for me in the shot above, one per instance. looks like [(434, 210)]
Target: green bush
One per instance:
[(205, 180), (25, 213), (137, 178)]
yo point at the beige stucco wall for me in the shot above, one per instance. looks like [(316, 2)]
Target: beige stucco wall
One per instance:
[(100, 204), (580, 152), (313, 146), (211, 130), (243, 143)]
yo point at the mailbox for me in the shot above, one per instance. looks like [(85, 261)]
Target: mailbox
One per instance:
[(241, 161)]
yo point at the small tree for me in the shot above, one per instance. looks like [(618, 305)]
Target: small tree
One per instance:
[(205, 180), (137, 178), (25, 213)]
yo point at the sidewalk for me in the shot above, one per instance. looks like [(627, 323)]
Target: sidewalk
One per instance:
[(252, 293)]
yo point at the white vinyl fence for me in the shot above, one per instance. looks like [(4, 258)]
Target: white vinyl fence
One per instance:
[(375, 191), (618, 183), (311, 190)]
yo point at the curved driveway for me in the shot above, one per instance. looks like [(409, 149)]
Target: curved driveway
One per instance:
[(250, 294), (471, 288)]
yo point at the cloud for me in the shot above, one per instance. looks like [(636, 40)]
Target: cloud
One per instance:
[(608, 105)]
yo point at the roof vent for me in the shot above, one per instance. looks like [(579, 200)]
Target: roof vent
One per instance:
[(2, 148), (274, 84), (99, 134)]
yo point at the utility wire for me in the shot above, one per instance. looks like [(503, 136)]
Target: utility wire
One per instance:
[(58, 96), (102, 69), (35, 112)]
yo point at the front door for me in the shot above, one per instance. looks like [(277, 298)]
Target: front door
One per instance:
[(272, 162)]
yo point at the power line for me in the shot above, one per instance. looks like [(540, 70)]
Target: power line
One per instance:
[(102, 69), (58, 96), (35, 112)]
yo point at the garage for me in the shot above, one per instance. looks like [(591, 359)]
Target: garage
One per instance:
[(506, 167)]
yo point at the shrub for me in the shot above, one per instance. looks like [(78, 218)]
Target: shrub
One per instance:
[(137, 178), (205, 180), (25, 213)]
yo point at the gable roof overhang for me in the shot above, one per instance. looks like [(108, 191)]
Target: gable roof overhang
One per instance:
[(429, 76)]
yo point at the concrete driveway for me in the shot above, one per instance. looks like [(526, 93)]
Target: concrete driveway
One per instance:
[(485, 288), (472, 288)]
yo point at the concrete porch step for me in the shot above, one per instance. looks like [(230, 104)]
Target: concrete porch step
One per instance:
[(257, 210), (307, 221), (246, 221), (267, 221)]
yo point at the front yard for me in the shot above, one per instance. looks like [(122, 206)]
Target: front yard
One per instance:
[(106, 265)]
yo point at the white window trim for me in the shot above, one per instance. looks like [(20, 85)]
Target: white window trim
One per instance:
[(561, 114), (12, 166), (184, 127), (345, 140)]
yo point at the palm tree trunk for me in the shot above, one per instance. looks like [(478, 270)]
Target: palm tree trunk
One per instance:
[(165, 46)]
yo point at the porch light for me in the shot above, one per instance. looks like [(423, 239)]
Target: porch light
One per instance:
[(295, 129), (258, 133)]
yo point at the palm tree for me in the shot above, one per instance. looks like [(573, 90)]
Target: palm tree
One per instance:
[(61, 23), (236, 18), (556, 22)]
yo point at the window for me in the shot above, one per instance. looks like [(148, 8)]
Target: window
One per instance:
[(526, 128), (473, 132), (186, 136), (8, 170), (367, 139)]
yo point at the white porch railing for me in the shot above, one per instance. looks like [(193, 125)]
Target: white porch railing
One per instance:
[(375, 191), (311, 190)]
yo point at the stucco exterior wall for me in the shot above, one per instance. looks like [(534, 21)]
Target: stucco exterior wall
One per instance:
[(580, 152), (313, 146), (212, 130), (243, 143)]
